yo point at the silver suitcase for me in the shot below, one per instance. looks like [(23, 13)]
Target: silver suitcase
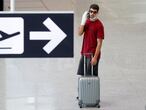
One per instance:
[(88, 90)]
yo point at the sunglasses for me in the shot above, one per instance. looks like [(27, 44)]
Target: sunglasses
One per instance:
[(91, 11)]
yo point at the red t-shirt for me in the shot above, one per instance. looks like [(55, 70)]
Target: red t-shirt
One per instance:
[(92, 32)]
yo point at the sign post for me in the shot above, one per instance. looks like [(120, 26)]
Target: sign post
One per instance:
[(12, 5), (36, 34)]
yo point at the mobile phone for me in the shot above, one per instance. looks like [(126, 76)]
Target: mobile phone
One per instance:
[(88, 15)]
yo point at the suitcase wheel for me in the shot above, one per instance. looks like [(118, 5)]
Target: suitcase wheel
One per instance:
[(80, 104), (98, 106)]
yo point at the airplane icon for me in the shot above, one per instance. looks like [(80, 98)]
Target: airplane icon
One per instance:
[(4, 35)]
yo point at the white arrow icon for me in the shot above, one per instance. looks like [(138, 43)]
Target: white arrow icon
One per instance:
[(55, 35)]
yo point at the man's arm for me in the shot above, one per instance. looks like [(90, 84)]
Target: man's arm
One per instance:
[(81, 30), (97, 51)]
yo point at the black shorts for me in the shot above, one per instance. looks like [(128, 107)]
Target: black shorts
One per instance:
[(87, 68)]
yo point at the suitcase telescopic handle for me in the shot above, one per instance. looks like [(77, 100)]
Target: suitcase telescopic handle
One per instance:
[(85, 63)]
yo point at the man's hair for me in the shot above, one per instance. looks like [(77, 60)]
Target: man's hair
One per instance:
[(94, 6)]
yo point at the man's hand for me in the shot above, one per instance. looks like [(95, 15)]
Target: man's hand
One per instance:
[(93, 61), (84, 18)]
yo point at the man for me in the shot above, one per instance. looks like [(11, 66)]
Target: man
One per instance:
[(93, 34)]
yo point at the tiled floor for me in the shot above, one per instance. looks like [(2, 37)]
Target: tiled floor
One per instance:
[(51, 84)]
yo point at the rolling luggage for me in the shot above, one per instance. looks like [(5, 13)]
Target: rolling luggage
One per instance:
[(88, 89)]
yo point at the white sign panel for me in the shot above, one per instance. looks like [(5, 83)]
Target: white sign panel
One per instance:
[(11, 35)]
